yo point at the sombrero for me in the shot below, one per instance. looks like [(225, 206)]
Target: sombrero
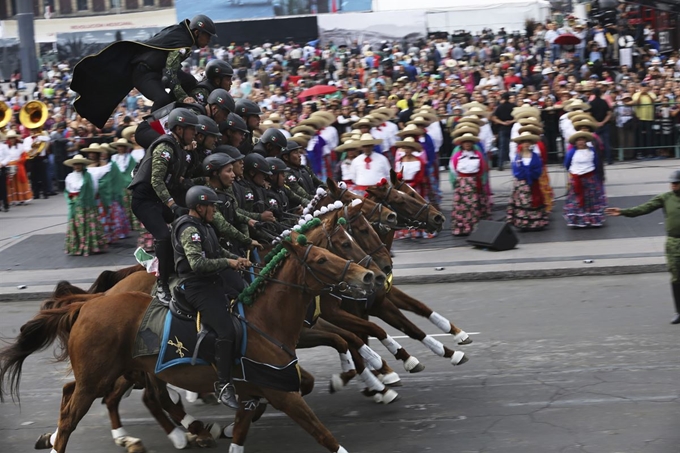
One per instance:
[(409, 142), (328, 116), (474, 104), (581, 116), (301, 138), (587, 135), (577, 104), (269, 124), (13, 134), (411, 130), (465, 129), (478, 112), (352, 143), (531, 128), (363, 122), (526, 113), (385, 111), (526, 136), (93, 148), (128, 132), (467, 137), (77, 159), (275, 117), (530, 120), (425, 114), (420, 121), (315, 122), (120, 142), (471, 119), (368, 140), (308, 130), (585, 123)]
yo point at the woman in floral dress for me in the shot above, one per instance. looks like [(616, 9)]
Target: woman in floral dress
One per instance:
[(526, 208), (471, 194), (84, 234), (586, 199), (125, 163)]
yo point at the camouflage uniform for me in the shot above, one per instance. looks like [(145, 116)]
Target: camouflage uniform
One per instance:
[(302, 181), (172, 66), (670, 203), (245, 198), (202, 91), (283, 200), (227, 218)]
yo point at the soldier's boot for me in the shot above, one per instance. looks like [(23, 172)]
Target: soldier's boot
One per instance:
[(676, 297), (165, 268), (224, 390)]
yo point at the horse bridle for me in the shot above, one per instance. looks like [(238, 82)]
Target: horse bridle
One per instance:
[(368, 258), (376, 210), (351, 232), (411, 223)]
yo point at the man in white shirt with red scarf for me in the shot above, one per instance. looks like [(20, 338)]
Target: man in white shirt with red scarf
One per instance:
[(369, 168)]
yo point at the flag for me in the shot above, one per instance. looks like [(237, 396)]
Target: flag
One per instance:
[(334, 6)]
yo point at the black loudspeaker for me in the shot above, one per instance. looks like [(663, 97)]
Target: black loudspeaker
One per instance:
[(493, 235)]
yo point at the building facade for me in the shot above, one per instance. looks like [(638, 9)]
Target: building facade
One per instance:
[(74, 8)]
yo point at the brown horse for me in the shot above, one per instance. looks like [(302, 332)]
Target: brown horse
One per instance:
[(99, 345)]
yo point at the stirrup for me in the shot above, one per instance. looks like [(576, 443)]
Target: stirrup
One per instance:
[(226, 395)]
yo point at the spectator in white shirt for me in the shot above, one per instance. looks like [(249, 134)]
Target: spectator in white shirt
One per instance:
[(369, 168)]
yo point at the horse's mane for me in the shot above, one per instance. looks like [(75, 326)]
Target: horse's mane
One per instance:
[(108, 279)]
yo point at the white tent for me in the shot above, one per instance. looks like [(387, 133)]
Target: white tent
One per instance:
[(453, 15)]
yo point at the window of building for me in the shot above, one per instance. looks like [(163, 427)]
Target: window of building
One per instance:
[(149, 2), (82, 5)]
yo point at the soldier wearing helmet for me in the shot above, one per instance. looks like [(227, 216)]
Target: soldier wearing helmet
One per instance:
[(299, 178), (209, 279), (158, 190), (230, 223), (280, 199), (150, 66), (218, 74), (207, 136), (250, 112), (234, 130), (271, 144)]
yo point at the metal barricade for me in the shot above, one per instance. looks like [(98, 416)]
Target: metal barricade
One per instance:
[(646, 131)]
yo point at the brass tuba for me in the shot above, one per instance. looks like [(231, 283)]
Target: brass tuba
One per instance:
[(5, 114), (32, 116)]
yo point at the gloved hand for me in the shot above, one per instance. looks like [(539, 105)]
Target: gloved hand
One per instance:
[(179, 211)]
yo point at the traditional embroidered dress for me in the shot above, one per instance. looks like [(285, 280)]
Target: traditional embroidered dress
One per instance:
[(412, 172), (112, 216), (526, 208), (84, 235), (586, 199), (471, 194), (125, 164), (18, 185)]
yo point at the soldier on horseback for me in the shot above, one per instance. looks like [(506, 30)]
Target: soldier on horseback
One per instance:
[(209, 278)]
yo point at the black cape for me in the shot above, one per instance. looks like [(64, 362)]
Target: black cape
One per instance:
[(104, 79)]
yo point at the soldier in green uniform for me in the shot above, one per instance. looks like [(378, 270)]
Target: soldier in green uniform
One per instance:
[(250, 112), (208, 277), (234, 130), (670, 203), (230, 224), (157, 183), (300, 179), (280, 199), (207, 135), (218, 74)]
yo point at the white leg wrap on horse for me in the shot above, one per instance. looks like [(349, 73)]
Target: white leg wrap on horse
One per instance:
[(411, 363), (53, 437), (440, 321), (434, 345), (342, 450), (337, 383), (191, 396), (228, 431), (233, 448), (390, 378), (174, 395), (116, 433), (178, 438), (457, 357), (346, 362), (187, 420), (391, 345), (460, 336), (215, 431), (371, 356), (371, 381), (53, 451)]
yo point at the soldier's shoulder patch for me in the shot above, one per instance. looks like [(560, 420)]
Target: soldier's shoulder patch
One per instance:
[(273, 202), (250, 196), (200, 97), (292, 178), (195, 237), (165, 155), (189, 158)]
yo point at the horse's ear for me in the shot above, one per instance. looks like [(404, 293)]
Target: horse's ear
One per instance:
[(393, 177), (291, 244), (332, 185)]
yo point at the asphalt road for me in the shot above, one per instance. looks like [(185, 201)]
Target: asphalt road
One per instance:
[(568, 365)]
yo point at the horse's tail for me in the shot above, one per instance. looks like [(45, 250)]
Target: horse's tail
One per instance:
[(36, 335), (108, 279)]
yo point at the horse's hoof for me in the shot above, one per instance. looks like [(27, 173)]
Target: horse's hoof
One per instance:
[(228, 431), (43, 442), (458, 358), (462, 338), (391, 379), (206, 441), (137, 447), (387, 397), (336, 384), (413, 365)]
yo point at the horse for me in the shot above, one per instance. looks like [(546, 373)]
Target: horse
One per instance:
[(99, 345)]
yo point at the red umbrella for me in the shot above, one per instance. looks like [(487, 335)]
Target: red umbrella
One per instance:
[(318, 90), (567, 39)]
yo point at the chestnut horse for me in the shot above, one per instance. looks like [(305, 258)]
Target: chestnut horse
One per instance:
[(99, 344)]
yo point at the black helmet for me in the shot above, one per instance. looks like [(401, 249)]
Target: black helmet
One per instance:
[(276, 165), (675, 176), (230, 151), (234, 122), (201, 195), (182, 117), (275, 137), (208, 126), (203, 23), (246, 107), (218, 68), (290, 147), (215, 162), (257, 162), (222, 99)]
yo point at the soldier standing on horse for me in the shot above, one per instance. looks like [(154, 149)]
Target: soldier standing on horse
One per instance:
[(209, 279)]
